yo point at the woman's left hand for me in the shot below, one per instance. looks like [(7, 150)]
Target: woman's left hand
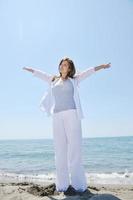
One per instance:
[(106, 65)]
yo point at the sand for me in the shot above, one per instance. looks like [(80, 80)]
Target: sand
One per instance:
[(44, 191)]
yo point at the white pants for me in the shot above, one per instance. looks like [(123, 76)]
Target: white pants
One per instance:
[(67, 135)]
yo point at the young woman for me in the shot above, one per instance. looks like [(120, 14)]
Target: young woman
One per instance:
[(62, 102)]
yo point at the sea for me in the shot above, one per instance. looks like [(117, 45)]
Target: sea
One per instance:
[(107, 160)]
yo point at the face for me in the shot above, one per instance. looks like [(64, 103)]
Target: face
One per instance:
[(64, 67)]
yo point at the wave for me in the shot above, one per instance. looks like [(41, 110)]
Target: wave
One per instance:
[(125, 178)]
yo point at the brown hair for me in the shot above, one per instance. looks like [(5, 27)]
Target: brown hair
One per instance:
[(71, 67)]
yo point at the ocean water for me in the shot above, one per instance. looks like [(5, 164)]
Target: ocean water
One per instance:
[(106, 160)]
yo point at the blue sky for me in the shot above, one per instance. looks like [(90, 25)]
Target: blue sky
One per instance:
[(38, 33)]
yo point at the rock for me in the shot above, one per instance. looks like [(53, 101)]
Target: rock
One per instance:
[(42, 191)]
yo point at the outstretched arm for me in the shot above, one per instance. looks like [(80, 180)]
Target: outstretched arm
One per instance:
[(91, 70), (40, 74), (103, 66)]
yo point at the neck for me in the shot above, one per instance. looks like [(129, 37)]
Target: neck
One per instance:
[(64, 76)]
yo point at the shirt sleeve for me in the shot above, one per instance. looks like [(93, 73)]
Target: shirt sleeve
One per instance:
[(85, 74), (43, 75)]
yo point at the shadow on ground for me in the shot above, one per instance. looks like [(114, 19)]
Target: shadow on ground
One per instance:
[(50, 191)]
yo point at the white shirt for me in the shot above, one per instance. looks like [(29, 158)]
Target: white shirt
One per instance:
[(47, 101)]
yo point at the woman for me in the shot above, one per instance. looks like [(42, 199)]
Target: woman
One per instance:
[(62, 102)]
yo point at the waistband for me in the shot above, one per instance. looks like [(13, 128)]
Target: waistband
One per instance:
[(64, 111)]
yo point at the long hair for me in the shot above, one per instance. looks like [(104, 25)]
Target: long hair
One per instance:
[(72, 68)]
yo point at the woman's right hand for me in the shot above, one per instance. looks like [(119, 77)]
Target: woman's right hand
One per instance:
[(28, 69)]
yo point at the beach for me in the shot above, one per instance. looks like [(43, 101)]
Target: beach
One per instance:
[(29, 172), (32, 191)]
